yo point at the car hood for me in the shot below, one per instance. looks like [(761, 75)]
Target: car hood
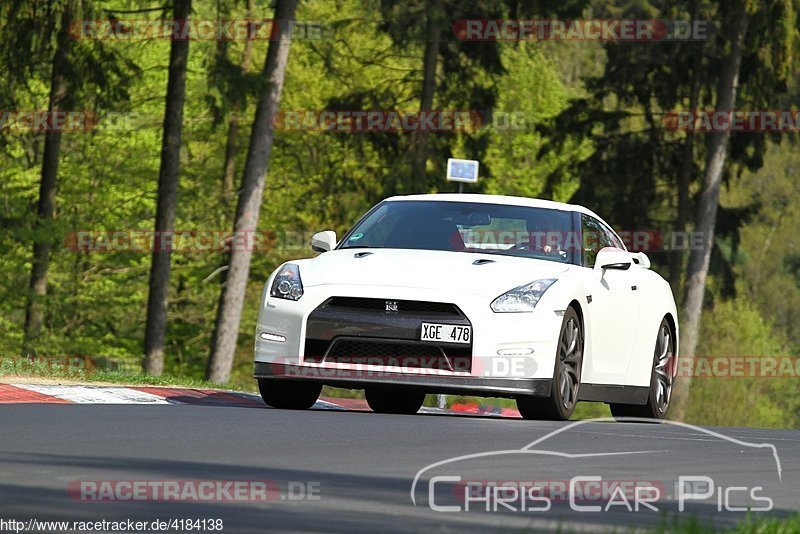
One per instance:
[(426, 269)]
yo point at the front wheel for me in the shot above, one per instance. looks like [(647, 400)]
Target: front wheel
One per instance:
[(563, 397), (661, 381), (394, 401), (289, 394)]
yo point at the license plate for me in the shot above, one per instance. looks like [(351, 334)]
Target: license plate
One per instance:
[(446, 333)]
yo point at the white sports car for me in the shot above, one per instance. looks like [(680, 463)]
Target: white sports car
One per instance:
[(471, 294)]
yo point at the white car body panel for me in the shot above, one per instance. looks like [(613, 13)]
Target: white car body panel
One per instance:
[(621, 309)]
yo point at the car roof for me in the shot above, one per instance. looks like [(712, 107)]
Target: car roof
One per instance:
[(500, 199)]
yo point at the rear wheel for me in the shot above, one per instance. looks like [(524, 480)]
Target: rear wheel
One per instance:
[(289, 394), (661, 381), (563, 397), (394, 401)]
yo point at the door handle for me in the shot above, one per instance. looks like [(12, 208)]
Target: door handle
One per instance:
[(634, 288)]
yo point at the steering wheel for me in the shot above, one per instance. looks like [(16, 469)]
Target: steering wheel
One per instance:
[(538, 248), (523, 246)]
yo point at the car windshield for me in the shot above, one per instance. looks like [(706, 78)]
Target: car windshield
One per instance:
[(466, 227)]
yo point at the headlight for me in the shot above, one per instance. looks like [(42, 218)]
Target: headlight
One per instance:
[(287, 283), (522, 298)]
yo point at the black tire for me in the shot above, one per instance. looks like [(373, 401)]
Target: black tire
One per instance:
[(394, 401), (289, 394), (563, 398), (661, 382)]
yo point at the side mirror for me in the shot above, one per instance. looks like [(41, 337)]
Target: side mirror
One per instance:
[(613, 258), (323, 241)]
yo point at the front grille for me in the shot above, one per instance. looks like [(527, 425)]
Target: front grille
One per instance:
[(356, 348), (361, 331), (403, 306), (392, 353)]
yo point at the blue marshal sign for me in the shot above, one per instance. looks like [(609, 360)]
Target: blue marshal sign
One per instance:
[(462, 170)]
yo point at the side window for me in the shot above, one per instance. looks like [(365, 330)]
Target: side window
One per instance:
[(595, 238), (615, 241)]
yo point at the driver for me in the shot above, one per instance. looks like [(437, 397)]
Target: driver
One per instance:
[(541, 233)]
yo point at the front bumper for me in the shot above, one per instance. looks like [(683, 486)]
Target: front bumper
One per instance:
[(451, 385), (530, 337)]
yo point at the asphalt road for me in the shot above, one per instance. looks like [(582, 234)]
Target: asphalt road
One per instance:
[(359, 466)]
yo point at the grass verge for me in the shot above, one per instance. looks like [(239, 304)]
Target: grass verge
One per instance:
[(68, 371)]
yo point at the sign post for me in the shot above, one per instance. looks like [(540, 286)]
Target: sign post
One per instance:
[(463, 171)]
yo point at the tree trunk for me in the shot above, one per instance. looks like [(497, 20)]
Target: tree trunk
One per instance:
[(168, 178), (229, 167), (45, 211), (433, 32), (697, 269), (231, 300), (685, 176)]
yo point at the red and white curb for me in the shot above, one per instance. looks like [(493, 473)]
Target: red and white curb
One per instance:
[(87, 394), (58, 394)]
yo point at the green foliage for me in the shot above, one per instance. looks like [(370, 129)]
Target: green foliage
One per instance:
[(759, 320), (766, 265), (735, 328), (531, 94)]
